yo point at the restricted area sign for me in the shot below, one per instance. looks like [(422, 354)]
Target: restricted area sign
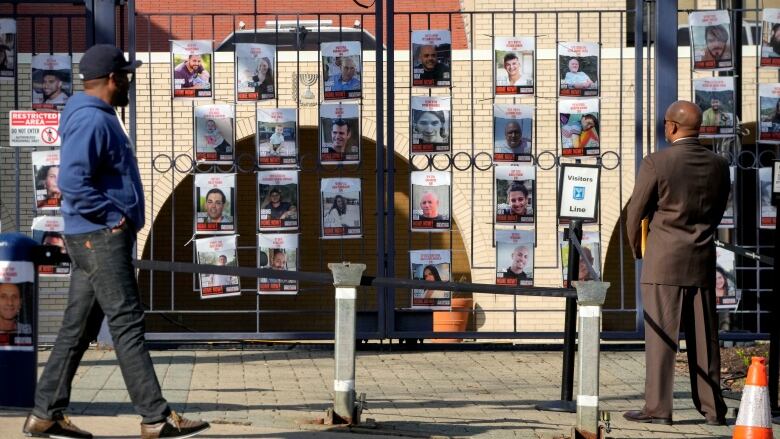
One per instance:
[(34, 128)]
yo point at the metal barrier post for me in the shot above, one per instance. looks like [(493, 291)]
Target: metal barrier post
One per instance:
[(590, 298), (346, 278)]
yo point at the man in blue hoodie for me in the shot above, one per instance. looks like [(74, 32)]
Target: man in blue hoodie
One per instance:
[(103, 208)]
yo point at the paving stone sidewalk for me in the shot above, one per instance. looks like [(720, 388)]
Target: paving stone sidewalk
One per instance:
[(270, 392)]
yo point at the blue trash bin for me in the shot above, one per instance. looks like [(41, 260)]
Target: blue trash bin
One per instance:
[(18, 320)]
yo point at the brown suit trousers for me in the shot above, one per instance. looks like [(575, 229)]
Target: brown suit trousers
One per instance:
[(665, 307)]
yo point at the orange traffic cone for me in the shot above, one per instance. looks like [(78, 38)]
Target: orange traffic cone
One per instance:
[(754, 420)]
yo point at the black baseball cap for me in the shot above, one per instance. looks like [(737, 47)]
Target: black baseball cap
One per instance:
[(103, 59)]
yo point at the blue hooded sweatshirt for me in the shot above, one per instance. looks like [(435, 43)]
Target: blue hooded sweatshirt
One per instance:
[(99, 177)]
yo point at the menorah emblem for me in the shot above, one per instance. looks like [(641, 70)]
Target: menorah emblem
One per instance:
[(307, 79)]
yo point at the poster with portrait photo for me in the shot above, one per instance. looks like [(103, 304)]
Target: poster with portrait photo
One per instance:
[(591, 247), (431, 201), (727, 222), (578, 69), (279, 252), (512, 132), (431, 58), (513, 58), (768, 212), (218, 250), (7, 49), (339, 133), (52, 81), (277, 137), (46, 171), (255, 68), (711, 41), (192, 69), (515, 193), (214, 134), (48, 230), (769, 112), (340, 200), (431, 265), (515, 257), (17, 315), (215, 207), (579, 124), (715, 96), (770, 37), (277, 200), (342, 69), (726, 293), (431, 124)]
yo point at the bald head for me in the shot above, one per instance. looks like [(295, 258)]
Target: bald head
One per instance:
[(684, 119)]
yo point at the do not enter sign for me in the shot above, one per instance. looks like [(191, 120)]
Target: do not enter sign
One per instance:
[(33, 128)]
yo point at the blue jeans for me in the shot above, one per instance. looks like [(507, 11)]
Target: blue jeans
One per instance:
[(102, 283)]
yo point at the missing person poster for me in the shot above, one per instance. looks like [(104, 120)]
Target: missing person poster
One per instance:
[(726, 293), (770, 37), (591, 249), (340, 199), (727, 222), (769, 112), (579, 126), (7, 49), (515, 257), (431, 201), (46, 171), (47, 230), (218, 250), (277, 252), (17, 315), (255, 68), (768, 212), (277, 137), (431, 58), (215, 196), (52, 81), (515, 185), (430, 265), (214, 134), (715, 96), (277, 200), (431, 124), (342, 69), (512, 132), (192, 62), (339, 133), (711, 40), (513, 58), (578, 69)]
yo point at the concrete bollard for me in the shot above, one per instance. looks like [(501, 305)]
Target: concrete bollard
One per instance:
[(346, 278), (590, 298)]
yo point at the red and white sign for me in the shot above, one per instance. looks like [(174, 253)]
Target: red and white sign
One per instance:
[(34, 128)]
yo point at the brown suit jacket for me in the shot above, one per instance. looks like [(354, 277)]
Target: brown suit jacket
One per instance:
[(683, 189)]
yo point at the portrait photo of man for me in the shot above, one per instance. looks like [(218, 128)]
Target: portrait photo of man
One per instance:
[(514, 194), (51, 81), (219, 251), (191, 62), (431, 51), (339, 133), (430, 200), (278, 199), (711, 39), (7, 48), (715, 97), (14, 330), (48, 191), (214, 203)]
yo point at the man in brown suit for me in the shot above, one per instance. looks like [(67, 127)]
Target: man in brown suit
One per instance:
[(682, 190)]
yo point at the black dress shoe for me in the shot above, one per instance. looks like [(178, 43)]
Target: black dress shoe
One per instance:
[(640, 416)]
